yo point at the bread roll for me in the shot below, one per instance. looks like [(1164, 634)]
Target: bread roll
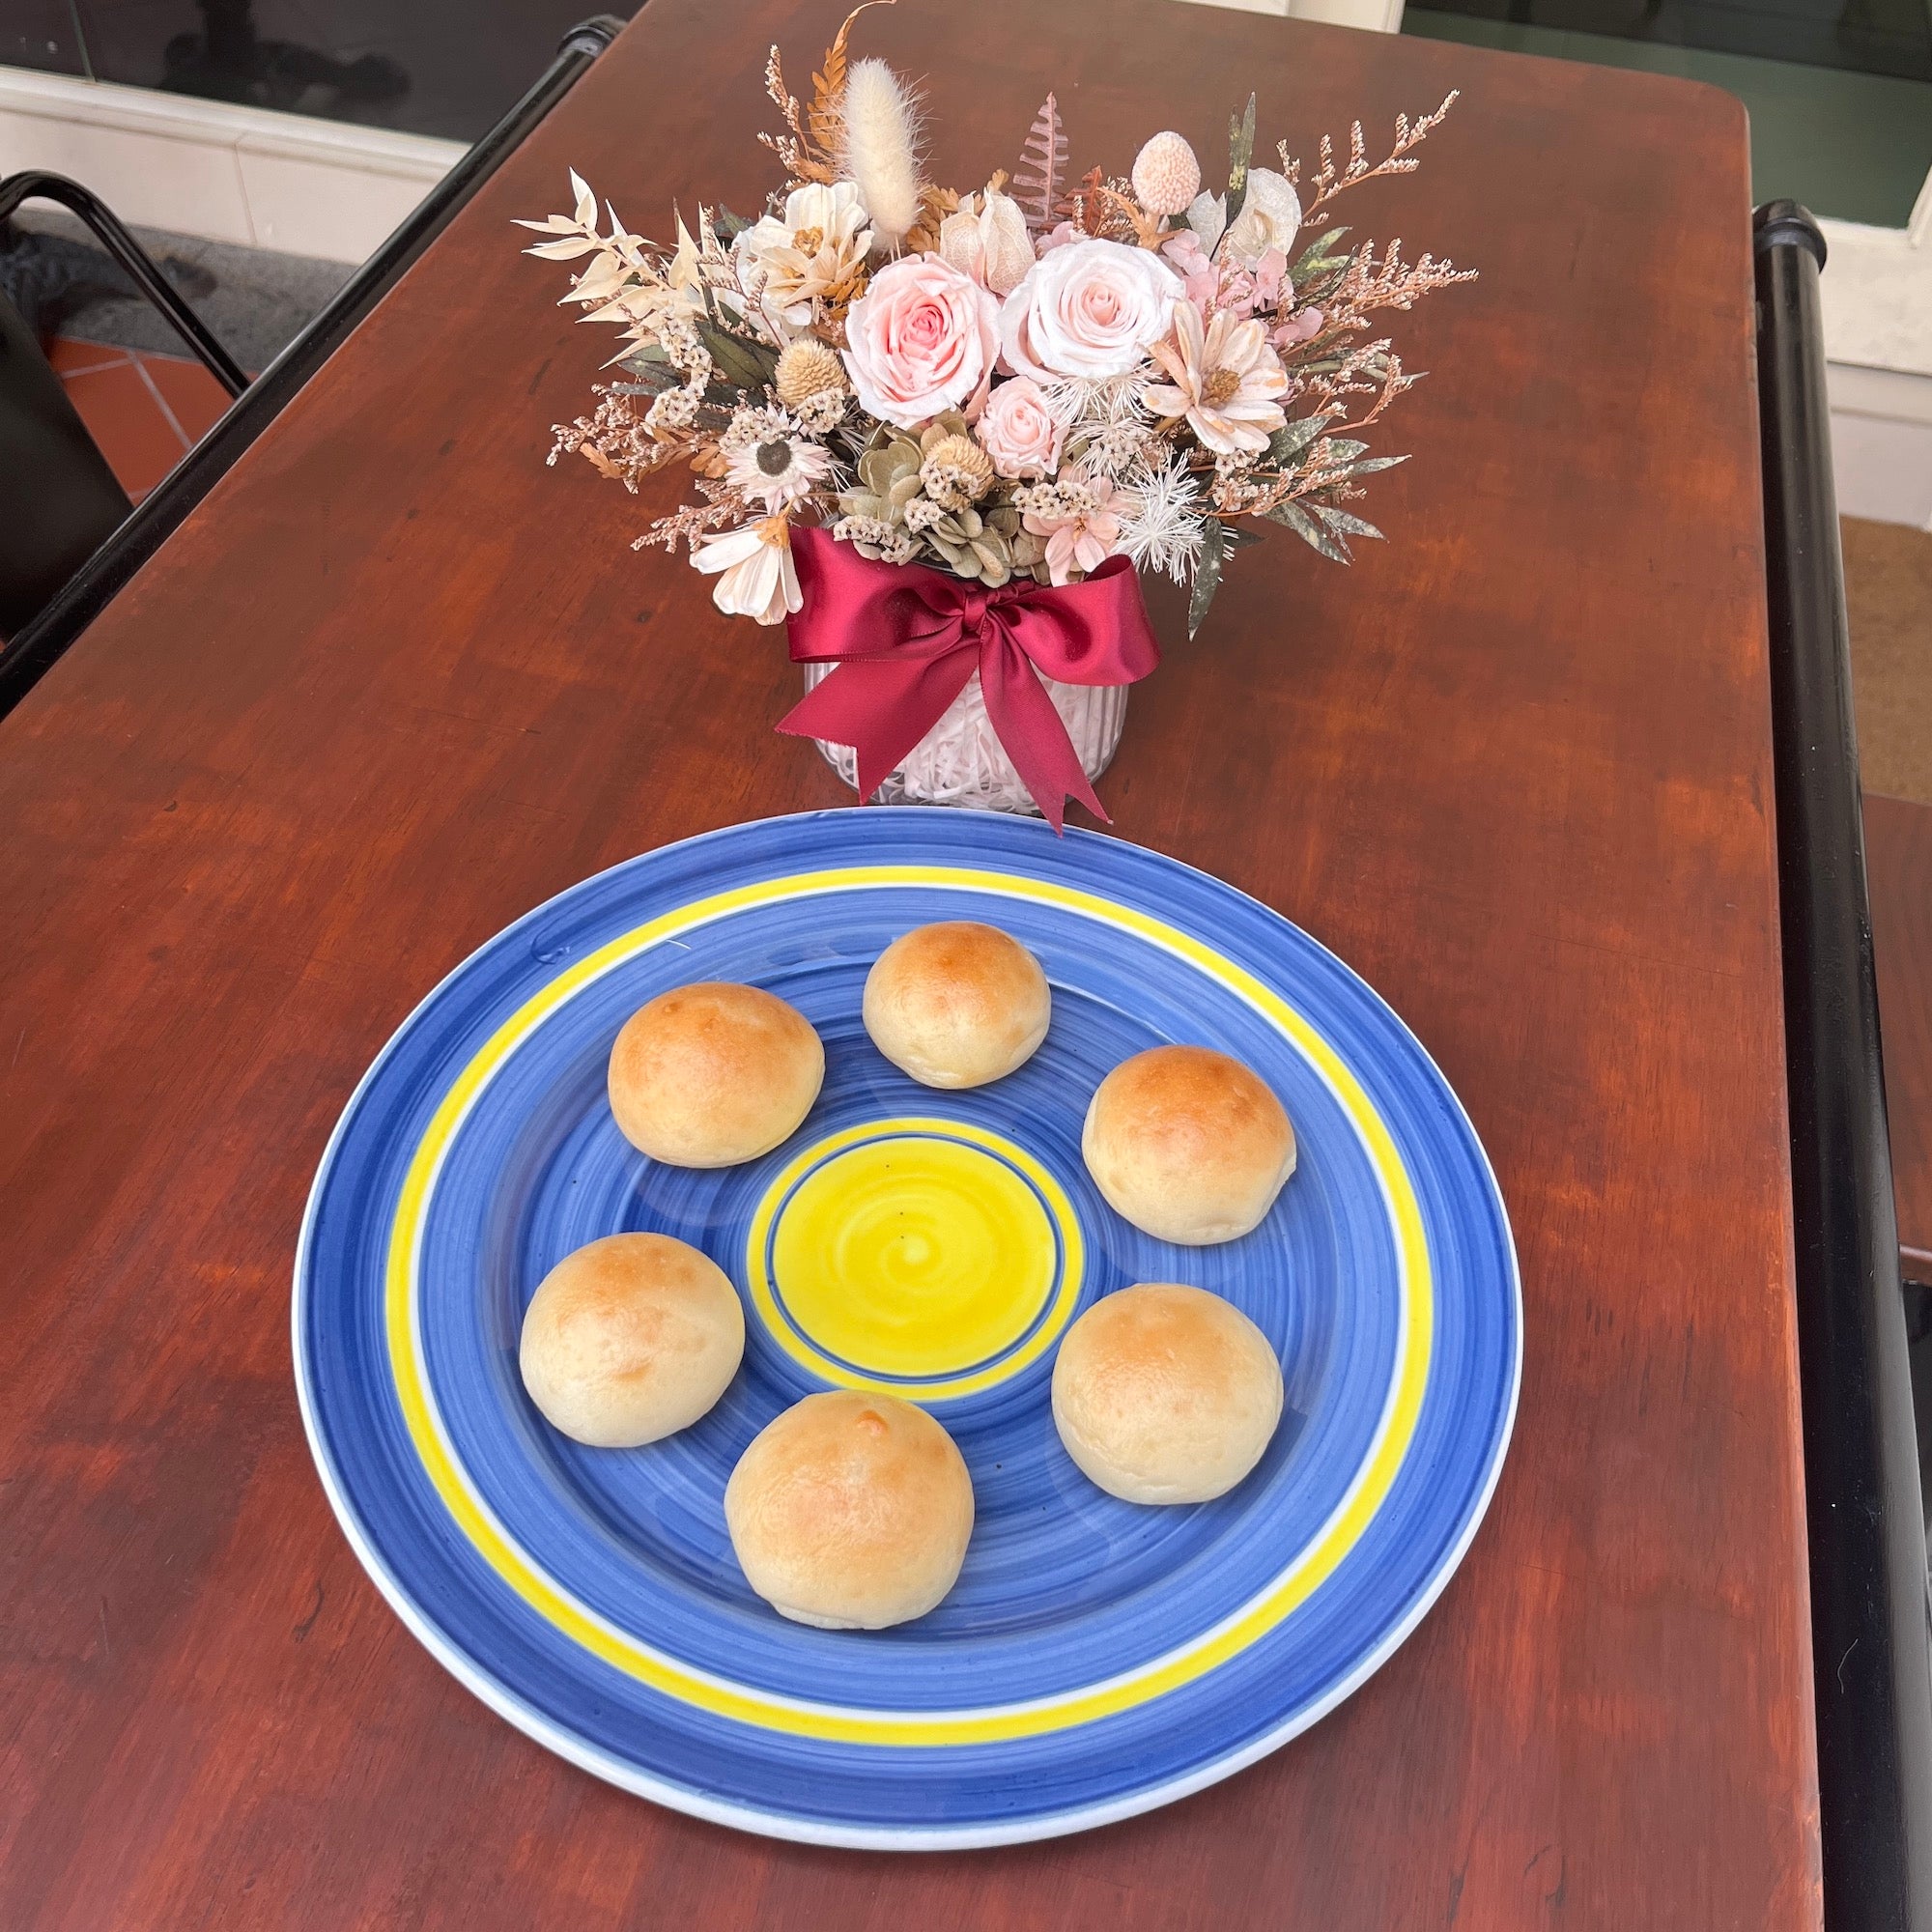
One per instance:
[(957, 1005), (851, 1512), (713, 1075), (1165, 1394), (1187, 1145), (631, 1339)]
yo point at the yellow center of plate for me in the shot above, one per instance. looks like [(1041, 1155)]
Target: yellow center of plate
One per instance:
[(923, 1259)]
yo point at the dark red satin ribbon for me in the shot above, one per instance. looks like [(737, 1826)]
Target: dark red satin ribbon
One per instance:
[(906, 639)]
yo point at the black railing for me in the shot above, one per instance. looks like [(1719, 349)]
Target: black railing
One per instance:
[(1869, 1627), (28, 655)]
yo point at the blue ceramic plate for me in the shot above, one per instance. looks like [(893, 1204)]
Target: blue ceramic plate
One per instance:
[(1095, 1658)]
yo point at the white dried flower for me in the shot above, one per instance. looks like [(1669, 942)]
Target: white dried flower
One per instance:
[(1167, 175), (823, 412), (1117, 449), (1070, 495), (872, 537), (779, 472), (757, 578), (1271, 218), (1163, 529), (878, 148), (679, 336), (755, 423), (675, 408), (818, 247)]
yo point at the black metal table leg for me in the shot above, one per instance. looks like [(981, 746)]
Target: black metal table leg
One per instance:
[(1863, 1512)]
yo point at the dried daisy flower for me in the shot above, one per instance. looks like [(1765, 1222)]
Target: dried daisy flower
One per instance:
[(807, 369), (815, 252), (1226, 382), (757, 578), (779, 472), (957, 471)]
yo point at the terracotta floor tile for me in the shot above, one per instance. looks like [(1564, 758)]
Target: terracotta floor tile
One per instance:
[(125, 419), (195, 398), (69, 356), (1888, 598)]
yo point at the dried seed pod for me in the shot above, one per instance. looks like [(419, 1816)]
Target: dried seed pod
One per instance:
[(807, 369), (1167, 175)]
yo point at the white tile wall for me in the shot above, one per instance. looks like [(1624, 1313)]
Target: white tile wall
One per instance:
[(1882, 444), (231, 174)]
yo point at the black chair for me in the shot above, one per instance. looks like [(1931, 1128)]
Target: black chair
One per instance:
[(59, 501), (26, 654)]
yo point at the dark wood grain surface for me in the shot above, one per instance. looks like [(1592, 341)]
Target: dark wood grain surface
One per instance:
[(1899, 868), (394, 682)]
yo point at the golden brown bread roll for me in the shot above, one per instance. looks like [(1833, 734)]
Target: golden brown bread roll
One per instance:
[(629, 1339), (958, 1004), (712, 1074), (1165, 1394), (851, 1512), (1187, 1144)]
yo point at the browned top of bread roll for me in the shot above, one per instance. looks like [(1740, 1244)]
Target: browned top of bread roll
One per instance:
[(629, 1339), (1166, 1394), (956, 1004), (713, 1073), (851, 1510), (1188, 1144)]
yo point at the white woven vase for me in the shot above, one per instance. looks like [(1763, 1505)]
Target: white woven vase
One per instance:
[(960, 760)]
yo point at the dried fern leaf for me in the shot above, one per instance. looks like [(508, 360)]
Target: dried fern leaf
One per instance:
[(1042, 162)]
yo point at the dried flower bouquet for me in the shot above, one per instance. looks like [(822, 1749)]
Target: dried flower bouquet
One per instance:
[(1015, 383)]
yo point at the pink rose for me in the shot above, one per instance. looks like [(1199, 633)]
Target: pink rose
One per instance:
[(1088, 309), (922, 338), (1019, 431)]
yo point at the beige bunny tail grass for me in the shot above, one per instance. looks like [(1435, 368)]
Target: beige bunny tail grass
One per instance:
[(879, 150)]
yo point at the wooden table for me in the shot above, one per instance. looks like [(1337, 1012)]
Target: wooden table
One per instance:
[(394, 681)]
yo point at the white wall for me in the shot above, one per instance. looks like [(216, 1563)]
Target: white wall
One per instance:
[(286, 182)]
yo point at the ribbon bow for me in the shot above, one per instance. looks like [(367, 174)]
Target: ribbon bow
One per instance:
[(906, 642)]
